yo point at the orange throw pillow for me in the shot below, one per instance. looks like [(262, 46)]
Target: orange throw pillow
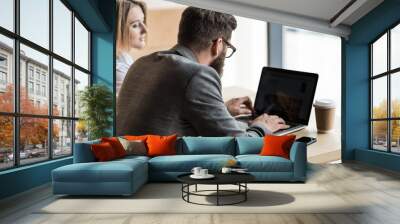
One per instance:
[(103, 152), (277, 145), (136, 137), (116, 145), (161, 145)]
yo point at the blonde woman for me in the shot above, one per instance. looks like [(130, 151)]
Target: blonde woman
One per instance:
[(131, 34)]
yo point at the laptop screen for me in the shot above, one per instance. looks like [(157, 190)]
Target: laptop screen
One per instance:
[(288, 94)]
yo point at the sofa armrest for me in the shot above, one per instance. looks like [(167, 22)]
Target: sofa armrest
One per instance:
[(83, 152), (298, 155)]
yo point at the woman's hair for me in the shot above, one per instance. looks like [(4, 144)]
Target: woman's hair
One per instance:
[(123, 8)]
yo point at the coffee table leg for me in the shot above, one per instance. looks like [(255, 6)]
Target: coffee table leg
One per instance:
[(196, 188), (217, 194), (245, 193)]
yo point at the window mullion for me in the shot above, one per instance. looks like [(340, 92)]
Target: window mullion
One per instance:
[(73, 82), (371, 140), (16, 84), (50, 81), (389, 106)]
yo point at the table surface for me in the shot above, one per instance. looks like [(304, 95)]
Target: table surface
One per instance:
[(220, 178)]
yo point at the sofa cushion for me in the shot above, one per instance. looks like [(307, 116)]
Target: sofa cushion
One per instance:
[(116, 145), (249, 145), (161, 145), (103, 152), (134, 147), (111, 171), (277, 145), (185, 163), (132, 158), (257, 163), (207, 145)]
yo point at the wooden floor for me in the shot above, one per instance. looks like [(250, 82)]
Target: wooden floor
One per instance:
[(378, 189)]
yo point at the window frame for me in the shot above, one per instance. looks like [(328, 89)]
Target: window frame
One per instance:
[(16, 115), (388, 74)]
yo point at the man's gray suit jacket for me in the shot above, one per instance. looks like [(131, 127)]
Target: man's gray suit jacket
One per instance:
[(169, 92)]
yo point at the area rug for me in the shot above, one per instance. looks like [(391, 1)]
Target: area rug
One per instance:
[(167, 198)]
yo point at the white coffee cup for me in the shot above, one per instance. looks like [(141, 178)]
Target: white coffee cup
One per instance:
[(203, 172), (196, 170), (226, 170)]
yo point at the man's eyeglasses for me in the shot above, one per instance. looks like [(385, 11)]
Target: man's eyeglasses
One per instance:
[(230, 49)]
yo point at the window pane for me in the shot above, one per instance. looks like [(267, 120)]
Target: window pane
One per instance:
[(62, 141), (379, 135), (81, 81), (395, 138), (301, 50), (62, 29), (379, 97), (395, 94), (7, 14), (379, 55), (35, 21), (81, 131), (6, 142), (34, 72), (62, 89), (81, 45), (395, 47), (33, 140), (6, 74)]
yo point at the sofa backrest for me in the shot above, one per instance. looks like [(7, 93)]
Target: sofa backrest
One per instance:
[(206, 145), (83, 153), (249, 145), (190, 146)]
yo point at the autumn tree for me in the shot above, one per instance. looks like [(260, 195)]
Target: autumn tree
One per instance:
[(380, 127), (33, 131)]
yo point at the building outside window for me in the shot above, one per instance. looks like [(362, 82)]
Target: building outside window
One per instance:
[(38, 89), (43, 90), (54, 136), (3, 72), (30, 72), (3, 78), (384, 91), (30, 87), (37, 75), (43, 77)]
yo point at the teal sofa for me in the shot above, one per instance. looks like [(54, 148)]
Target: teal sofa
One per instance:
[(125, 176)]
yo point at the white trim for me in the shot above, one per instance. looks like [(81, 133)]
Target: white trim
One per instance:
[(348, 12), (269, 15)]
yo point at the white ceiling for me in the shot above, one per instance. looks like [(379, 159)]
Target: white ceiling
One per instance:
[(315, 15), (322, 9), (160, 4)]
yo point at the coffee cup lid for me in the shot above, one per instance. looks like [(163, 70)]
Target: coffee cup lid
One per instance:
[(325, 103)]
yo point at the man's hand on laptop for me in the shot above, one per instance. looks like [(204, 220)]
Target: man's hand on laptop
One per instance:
[(272, 122), (240, 106)]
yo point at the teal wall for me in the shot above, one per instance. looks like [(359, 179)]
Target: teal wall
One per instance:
[(99, 16), (24, 178), (355, 114)]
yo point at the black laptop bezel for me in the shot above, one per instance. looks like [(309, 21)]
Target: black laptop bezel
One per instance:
[(270, 70)]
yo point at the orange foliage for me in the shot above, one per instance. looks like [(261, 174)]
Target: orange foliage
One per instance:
[(380, 127), (34, 130)]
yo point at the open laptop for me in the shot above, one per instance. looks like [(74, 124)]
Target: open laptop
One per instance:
[(287, 94)]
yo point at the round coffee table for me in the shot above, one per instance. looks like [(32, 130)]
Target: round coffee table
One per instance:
[(238, 179)]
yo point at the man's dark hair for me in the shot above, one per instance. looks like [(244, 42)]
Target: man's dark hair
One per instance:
[(199, 27)]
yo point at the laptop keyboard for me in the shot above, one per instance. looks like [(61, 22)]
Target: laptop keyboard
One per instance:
[(292, 128)]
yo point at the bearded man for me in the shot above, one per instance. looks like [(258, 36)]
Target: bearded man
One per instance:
[(178, 91)]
